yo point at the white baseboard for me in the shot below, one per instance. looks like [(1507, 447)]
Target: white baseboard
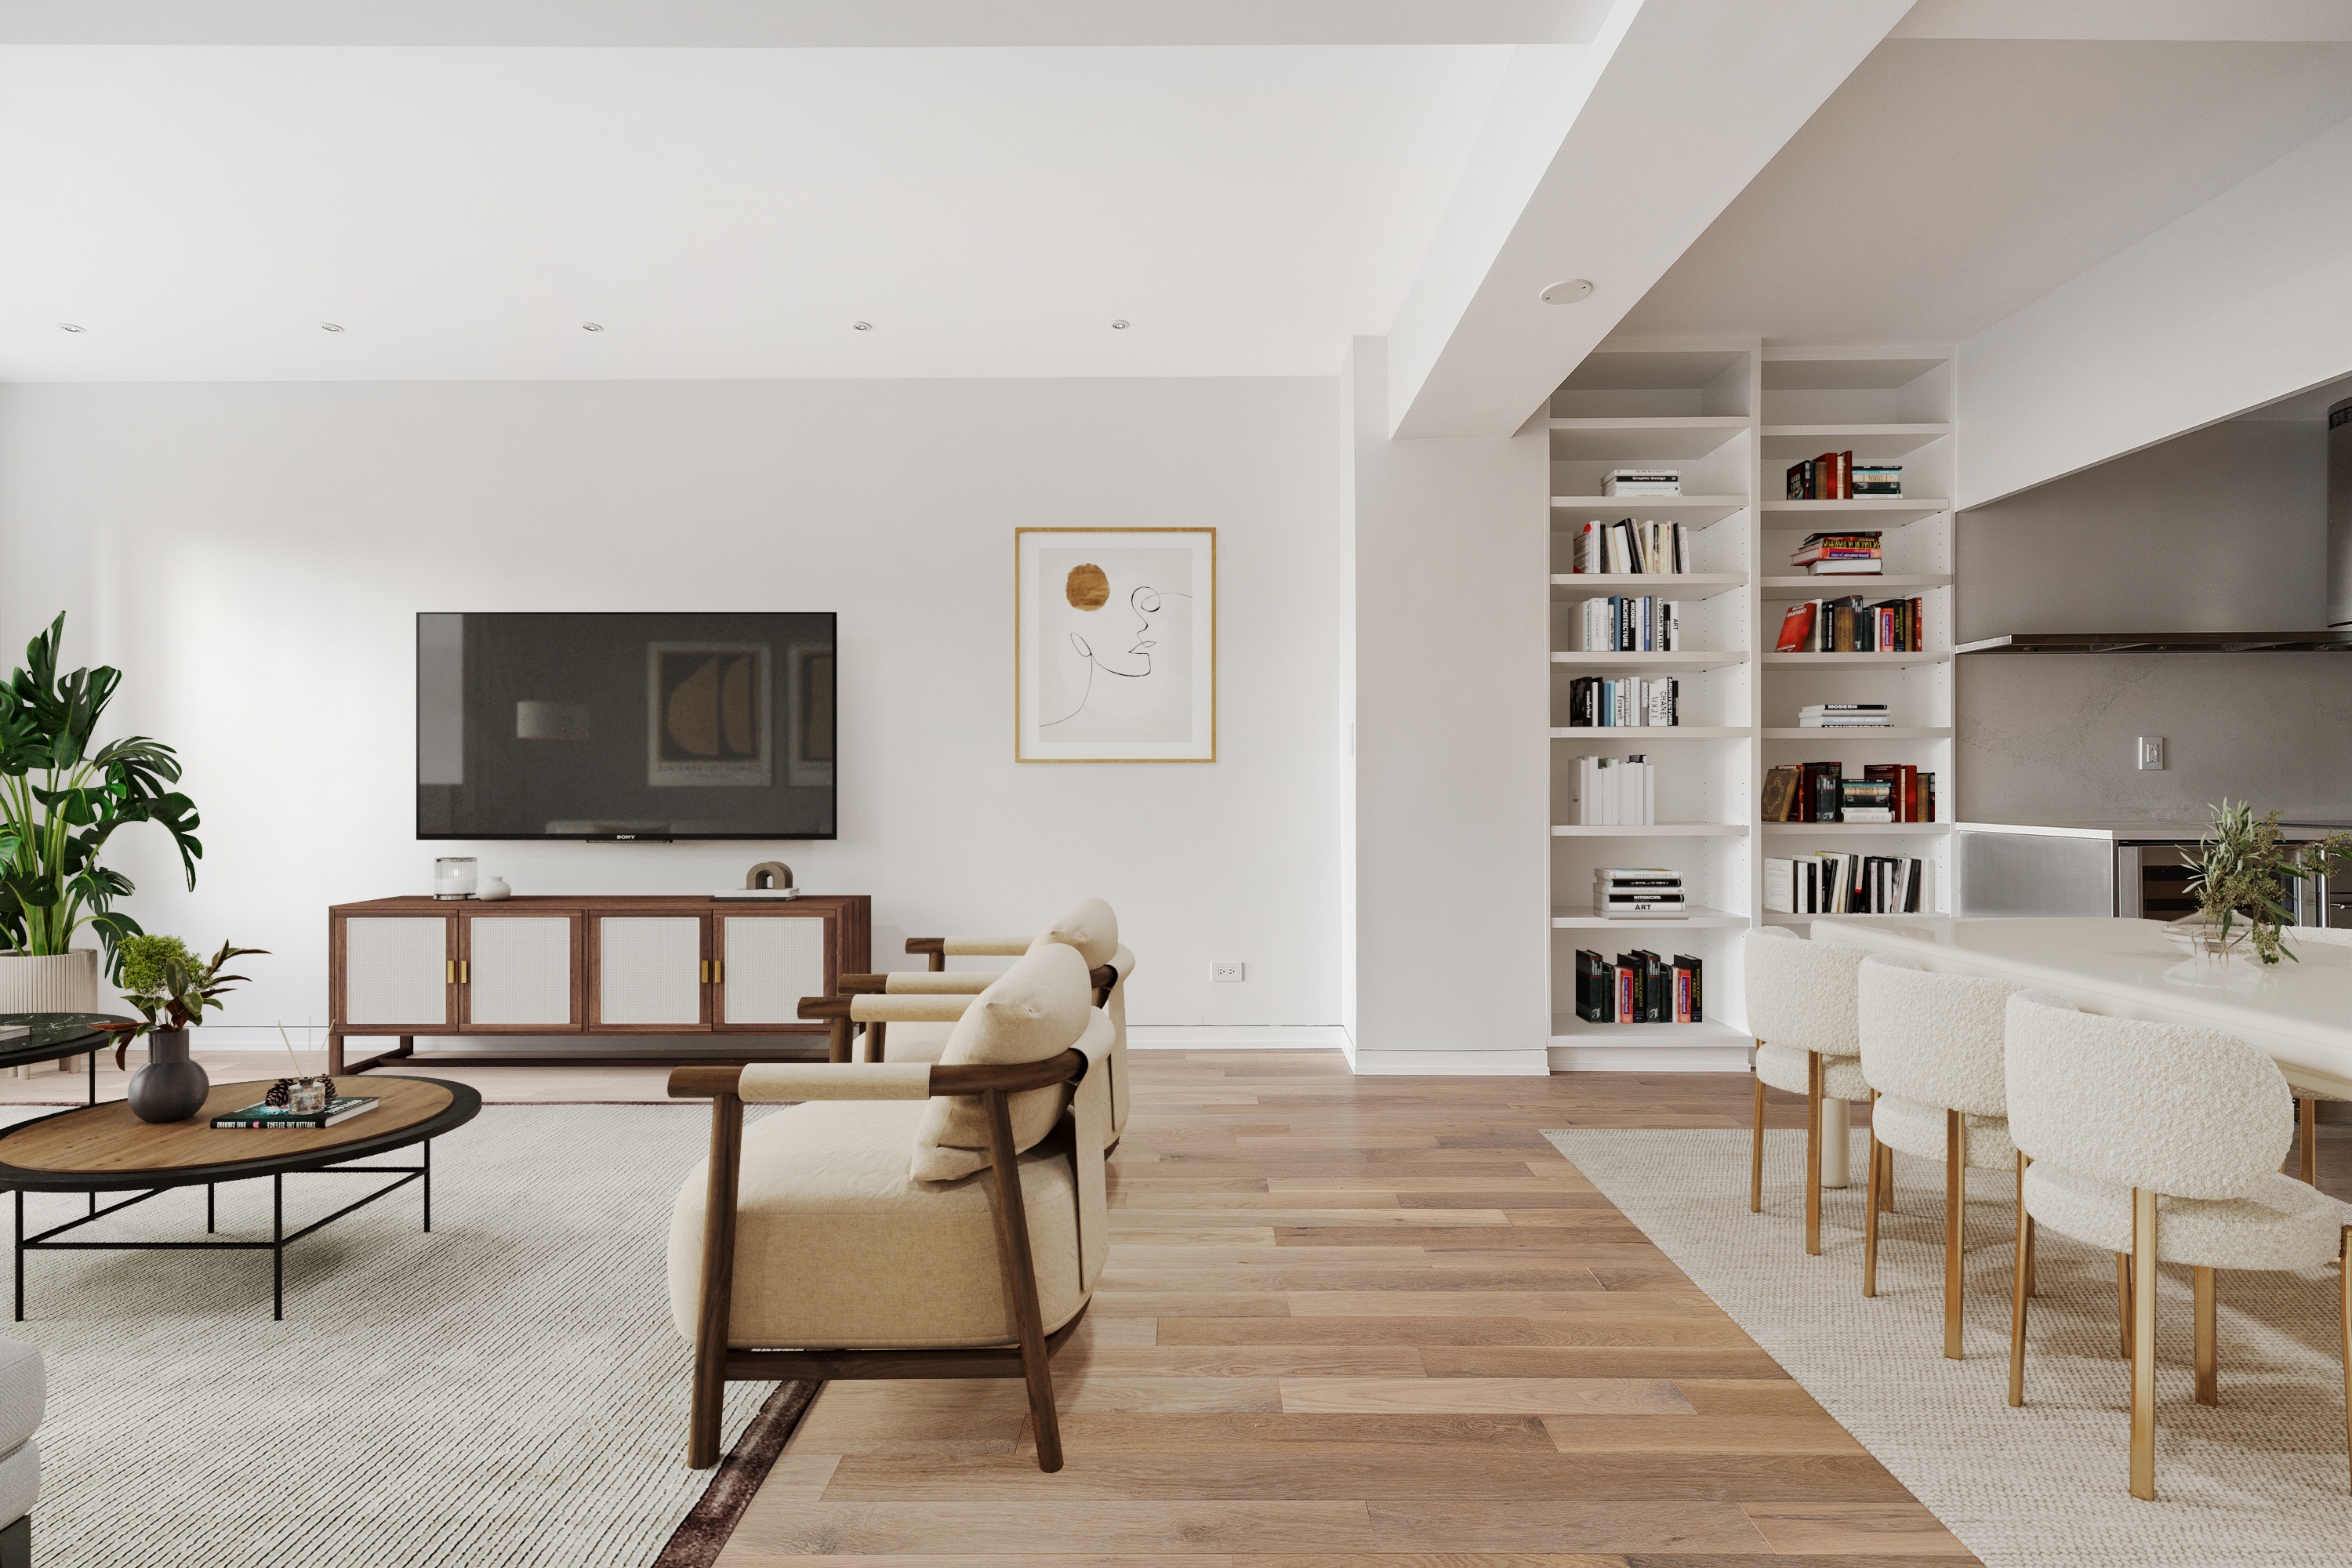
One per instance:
[(1648, 1059), (1528, 1063), (1237, 1038)]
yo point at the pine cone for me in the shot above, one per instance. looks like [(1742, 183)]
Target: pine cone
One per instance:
[(329, 1085), (279, 1092)]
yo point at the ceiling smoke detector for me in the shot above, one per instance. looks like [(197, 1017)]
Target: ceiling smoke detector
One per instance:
[(1568, 293)]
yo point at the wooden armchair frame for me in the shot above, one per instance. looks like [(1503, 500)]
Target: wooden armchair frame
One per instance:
[(840, 1009), (1030, 1358)]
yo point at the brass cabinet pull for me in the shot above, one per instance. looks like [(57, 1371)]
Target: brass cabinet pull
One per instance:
[(718, 971), (463, 978), (706, 972), (452, 977)]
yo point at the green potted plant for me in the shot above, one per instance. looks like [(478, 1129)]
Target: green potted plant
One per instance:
[(172, 989), (2238, 881), (63, 794)]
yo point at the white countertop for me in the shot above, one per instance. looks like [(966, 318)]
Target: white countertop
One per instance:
[(2300, 1012)]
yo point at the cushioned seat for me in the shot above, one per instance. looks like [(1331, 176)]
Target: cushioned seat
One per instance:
[(916, 1041), (833, 1238), (1801, 1005), (1784, 1066), (1918, 1130), (2281, 1224)]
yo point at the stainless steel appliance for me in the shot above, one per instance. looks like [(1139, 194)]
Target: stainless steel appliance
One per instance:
[(2135, 870)]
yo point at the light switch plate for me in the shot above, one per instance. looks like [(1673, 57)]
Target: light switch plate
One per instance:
[(1229, 970), (2151, 752)]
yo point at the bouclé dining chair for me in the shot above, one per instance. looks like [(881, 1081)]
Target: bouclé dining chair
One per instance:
[(1931, 1049), (2162, 1141), (1802, 1008)]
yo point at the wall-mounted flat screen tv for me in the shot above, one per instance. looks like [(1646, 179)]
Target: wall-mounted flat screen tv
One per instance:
[(625, 726)]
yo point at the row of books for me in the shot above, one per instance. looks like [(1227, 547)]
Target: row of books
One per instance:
[(1861, 553), (1643, 482), (1835, 475), (1632, 548), (1632, 623), (1830, 883), (1843, 716), (1612, 791), (1640, 988), (1854, 624), (1819, 792), (1638, 892), (1624, 702)]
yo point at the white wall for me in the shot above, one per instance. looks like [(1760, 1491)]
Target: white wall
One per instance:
[(2246, 298), (252, 555), (2223, 530), (1452, 779)]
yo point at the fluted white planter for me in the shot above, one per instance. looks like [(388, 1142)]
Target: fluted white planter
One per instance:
[(65, 983)]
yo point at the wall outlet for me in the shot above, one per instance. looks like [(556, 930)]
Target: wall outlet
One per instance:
[(2151, 752), (1232, 970)]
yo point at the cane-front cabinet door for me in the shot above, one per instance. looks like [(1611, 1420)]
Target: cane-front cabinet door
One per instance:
[(518, 973), (649, 973), (764, 963), (396, 971)]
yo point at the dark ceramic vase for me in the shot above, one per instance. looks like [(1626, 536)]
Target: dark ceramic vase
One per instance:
[(170, 1088)]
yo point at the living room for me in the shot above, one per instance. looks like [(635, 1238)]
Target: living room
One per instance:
[(323, 328)]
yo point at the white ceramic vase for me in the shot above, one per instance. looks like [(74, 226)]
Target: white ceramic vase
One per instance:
[(65, 983)]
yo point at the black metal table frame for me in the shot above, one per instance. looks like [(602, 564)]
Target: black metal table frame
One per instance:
[(276, 1247), (91, 1045)]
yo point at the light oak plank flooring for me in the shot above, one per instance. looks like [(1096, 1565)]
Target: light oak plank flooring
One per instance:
[(1362, 1323)]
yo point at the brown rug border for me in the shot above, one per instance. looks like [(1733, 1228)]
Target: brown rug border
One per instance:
[(703, 1534)]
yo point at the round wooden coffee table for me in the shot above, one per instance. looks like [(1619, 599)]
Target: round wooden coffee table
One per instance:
[(58, 1034), (104, 1148)]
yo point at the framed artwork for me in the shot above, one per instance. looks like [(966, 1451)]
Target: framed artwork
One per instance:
[(1115, 644), (707, 714)]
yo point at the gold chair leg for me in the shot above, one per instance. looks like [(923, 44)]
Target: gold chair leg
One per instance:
[(2142, 1333), (2208, 1376), (1955, 1177), (2310, 1119), (1813, 1154), (1886, 1187), (1870, 1220), (2123, 1302), (2021, 1287), (1755, 1156)]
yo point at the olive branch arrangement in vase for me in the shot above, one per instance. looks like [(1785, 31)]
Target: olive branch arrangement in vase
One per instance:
[(2241, 863)]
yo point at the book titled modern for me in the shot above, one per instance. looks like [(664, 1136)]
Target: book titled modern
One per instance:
[(342, 1108)]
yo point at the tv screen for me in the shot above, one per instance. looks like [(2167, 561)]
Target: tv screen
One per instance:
[(624, 726)]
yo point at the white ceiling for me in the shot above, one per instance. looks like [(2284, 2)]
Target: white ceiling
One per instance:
[(1946, 184), (722, 213)]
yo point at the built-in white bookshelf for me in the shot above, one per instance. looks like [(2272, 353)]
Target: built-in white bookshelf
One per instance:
[(1732, 416)]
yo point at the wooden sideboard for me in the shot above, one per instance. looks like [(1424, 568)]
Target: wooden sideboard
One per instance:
[(606, 965)]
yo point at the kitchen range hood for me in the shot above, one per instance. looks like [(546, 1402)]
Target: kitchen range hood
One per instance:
[(2336, 638)]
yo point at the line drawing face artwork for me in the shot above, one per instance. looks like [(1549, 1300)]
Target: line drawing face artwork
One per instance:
[(1115, 633)]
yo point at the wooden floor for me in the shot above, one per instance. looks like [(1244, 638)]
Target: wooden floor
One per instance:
[(1350, 1321)]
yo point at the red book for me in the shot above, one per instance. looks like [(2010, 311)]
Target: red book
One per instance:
[(1795, 627), (1918, 626), (1846, 475)]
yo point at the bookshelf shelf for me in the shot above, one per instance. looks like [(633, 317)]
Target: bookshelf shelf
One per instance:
[(1607, 734), (1781, 917), (1696, 511), (1730, 416), (1633, 440), (1860, 829), (1655, 830), (1717, 658), (1837, 587), (1568, 1029), (1567, 587), (1692, 918), (1859, 732), (1852, 660)]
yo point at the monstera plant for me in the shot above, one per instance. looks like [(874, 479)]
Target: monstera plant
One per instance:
[(63, 794)]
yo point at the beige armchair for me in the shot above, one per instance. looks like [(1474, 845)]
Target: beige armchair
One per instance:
[(909, 1219), (909, 1015)]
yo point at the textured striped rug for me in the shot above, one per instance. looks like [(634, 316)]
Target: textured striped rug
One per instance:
[(507, 1390), (2260, 1481)]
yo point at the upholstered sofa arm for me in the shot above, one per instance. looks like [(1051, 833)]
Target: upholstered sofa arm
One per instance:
[(763, 1082), (916, 983)]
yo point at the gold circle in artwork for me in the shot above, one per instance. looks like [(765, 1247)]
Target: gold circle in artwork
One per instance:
[(1088, 587)]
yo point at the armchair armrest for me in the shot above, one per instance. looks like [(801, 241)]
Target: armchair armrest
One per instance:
[(767, 1081), (939, 947), (916, 983)]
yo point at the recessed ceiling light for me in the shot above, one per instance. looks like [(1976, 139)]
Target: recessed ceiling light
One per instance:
[(1119, 326), (1568, 293), (329, 327), (862, 326), (592, 326), (70, 327)]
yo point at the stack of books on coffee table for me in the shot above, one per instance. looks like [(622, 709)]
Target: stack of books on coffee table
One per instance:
[(342, 1108)]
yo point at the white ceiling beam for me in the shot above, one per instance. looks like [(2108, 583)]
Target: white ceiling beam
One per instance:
[(797, 24), (1604, 163), (2174, 21)]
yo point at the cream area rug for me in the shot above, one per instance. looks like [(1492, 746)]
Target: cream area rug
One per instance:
[(507, 1390), (2260, 1481)]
